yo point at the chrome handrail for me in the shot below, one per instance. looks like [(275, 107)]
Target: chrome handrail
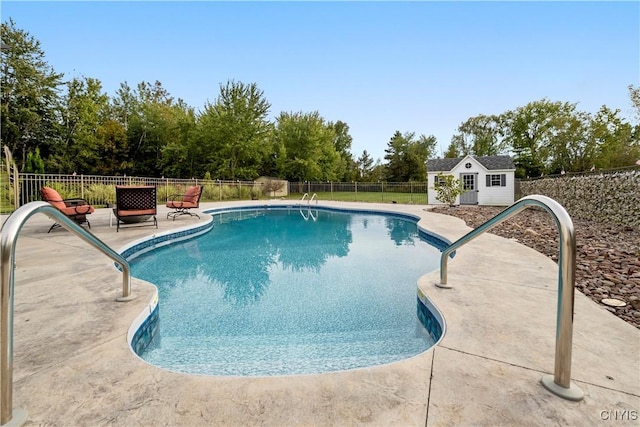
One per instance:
[(300, 205), (314, 197), (310, 214), (560, 383), (8, 237)]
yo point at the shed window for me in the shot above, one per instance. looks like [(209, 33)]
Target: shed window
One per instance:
[(438, 181), (497, 180)]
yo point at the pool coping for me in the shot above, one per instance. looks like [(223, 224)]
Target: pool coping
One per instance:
[(73, 365)]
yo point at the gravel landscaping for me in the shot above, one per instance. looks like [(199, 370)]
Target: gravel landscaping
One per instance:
[(607, 255)]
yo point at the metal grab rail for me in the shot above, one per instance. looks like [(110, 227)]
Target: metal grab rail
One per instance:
[(310, 214), (314, 197), (559, 383), (8, 237)]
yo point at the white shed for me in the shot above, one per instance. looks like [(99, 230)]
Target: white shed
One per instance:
[(489, 180)]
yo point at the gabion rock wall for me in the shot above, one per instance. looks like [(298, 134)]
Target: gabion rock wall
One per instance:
[(613, 197)]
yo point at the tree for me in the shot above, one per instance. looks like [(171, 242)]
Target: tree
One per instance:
[(124, 106), (396, 169), (530, 131), (150, 128), (365, 166), (34, 163), (29, 106), (634, 94), (113, 149), (342, 145), (448, 188), (424, 148), (407, 157), (570, 148), (83, 110), (306, 144), (234, 132), (182, 156), (378, 171), (453, 150), (480, 136), (613, 140)]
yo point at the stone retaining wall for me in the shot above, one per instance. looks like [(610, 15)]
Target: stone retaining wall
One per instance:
[(613, 197)]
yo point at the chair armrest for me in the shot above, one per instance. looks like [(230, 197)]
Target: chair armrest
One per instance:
[(74, 202), (175, 198), (82, 209)]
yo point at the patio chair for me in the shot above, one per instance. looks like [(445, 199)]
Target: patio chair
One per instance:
[(182, 203), (135, 204), (76, 209)]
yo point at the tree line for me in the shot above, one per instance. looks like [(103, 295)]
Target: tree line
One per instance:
[(546, 137), (57, 126)]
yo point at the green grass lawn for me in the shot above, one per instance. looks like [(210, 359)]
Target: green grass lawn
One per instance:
[(351, 196)]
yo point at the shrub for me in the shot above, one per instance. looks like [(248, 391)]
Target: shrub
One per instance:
[(448, 189), (66, 190), (168, 192), (210, 192), (6, 194), (100, 194), (256, 193), (229, 192)]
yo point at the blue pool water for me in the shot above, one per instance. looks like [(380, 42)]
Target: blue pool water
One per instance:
[(274, 292)]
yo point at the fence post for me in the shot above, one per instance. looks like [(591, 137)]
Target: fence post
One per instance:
[(382, 190), (356, 187)]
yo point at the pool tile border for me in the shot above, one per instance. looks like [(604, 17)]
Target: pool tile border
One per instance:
[(138, 247)]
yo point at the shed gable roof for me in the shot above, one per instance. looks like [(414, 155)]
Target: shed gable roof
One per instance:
[(489, 162)]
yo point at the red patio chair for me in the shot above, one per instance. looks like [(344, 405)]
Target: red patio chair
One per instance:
[(76, 209), (181, 203)]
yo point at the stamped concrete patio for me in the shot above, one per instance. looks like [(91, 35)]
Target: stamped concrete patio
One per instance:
[(73, 365)]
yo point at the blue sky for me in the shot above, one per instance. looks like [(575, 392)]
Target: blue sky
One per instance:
[(420, 67)]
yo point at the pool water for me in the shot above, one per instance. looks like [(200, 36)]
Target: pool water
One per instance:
[(274, 292)]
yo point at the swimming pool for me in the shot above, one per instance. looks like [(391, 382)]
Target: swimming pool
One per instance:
[(283, 291)]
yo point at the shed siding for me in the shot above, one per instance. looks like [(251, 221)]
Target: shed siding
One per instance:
[(496, 196)]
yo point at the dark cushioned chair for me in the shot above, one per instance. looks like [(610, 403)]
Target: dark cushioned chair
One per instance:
[(76, 209), (182, 203), (135, 204)]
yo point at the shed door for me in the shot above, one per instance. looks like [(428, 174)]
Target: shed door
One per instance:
[(470, 184)]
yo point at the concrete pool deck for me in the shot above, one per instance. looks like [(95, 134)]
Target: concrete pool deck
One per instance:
[(73, 365)]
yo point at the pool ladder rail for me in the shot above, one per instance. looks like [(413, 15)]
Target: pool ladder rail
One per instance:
[(309, 212), (8, 237), (560, 383)]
